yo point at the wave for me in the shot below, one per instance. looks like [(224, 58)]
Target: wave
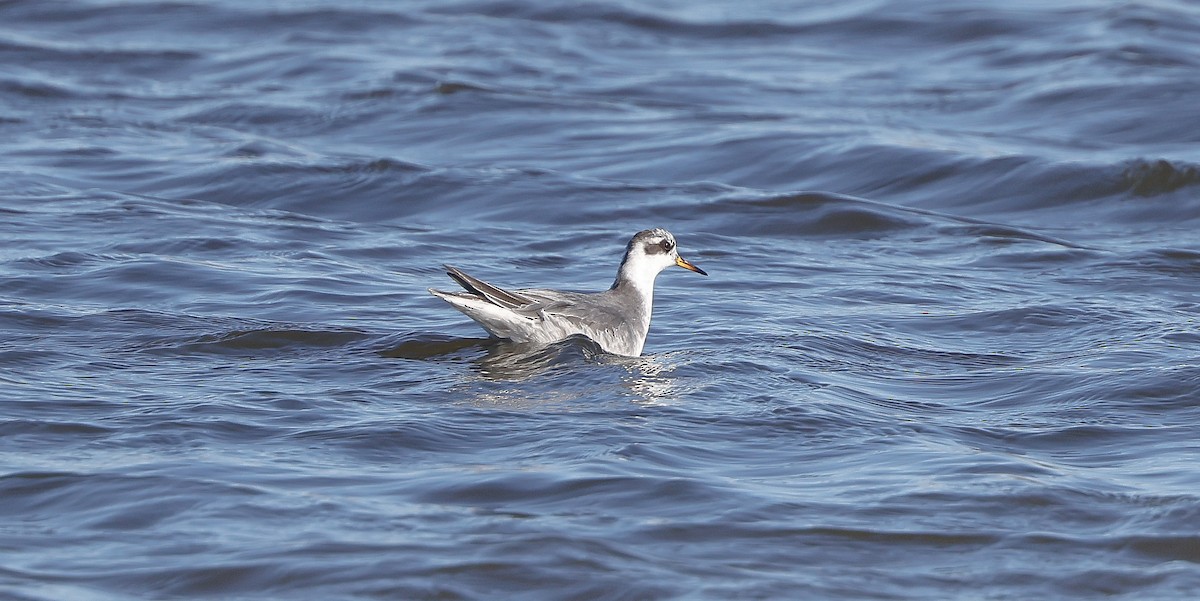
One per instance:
[(1154, 178)]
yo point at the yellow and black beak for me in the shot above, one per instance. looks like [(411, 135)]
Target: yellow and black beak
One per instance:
[(680, 261)]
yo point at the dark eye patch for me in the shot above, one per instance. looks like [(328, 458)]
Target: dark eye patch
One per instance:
[(662, 246)]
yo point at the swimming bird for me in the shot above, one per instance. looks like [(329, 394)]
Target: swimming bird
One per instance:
[(617, 319)]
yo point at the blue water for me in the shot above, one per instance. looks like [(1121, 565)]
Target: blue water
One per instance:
[(949, 347)]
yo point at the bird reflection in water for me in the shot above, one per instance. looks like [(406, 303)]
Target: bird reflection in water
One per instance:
[(648, 378)]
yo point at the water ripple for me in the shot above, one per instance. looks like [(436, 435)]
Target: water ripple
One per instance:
[(948, 343)]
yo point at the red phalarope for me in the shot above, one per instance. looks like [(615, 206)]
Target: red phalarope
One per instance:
[(617, 319)]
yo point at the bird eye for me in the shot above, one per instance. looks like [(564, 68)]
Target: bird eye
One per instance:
[(666, 245)]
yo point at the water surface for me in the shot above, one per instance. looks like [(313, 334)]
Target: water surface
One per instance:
[(948, 348)]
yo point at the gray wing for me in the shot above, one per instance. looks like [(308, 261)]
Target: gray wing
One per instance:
[(573, 306), (586, 311)]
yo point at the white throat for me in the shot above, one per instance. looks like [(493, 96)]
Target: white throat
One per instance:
[(640, 271), (637, 277)]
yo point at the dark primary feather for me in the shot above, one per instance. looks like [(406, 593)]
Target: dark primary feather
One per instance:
[(494, 295)]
